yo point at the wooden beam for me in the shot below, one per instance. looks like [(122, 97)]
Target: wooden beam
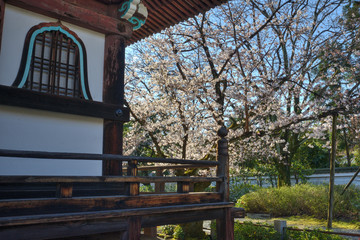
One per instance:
[(108, 214), (86, 227), (64, 230), (81, 16), (83, 204), (180, 217), (19, 97)]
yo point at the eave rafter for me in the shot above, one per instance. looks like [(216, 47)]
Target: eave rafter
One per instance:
[(133, 19)]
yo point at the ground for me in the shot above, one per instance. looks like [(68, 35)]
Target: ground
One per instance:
[(307, 223)]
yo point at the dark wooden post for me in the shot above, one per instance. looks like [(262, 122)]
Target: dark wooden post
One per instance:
[(113, 92), (224, 224)]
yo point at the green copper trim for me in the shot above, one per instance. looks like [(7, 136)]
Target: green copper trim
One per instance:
[(138, 23), (30, 51)]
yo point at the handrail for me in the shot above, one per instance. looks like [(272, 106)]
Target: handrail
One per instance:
[(163, 167), (108, 179), (94, 156)]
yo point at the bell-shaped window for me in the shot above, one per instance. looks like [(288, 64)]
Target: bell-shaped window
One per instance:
[(54, 62)]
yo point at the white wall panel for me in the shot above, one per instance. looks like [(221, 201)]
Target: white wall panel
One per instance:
[(28, 129)]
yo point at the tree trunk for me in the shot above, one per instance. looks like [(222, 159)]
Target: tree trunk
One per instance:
[(332, 173), (348, 158), (283, 175)]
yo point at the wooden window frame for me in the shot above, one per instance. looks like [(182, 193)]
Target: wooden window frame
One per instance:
[(28, 54)]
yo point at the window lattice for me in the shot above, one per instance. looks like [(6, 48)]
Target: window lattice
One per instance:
[(54, 62), (54, 67)]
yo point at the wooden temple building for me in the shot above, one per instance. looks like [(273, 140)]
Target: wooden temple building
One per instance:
[(62, 111)]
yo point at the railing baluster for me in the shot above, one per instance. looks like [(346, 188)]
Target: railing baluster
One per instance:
[(183, 187), (64, 190), (159, 187), (225, 223), (133, 187)]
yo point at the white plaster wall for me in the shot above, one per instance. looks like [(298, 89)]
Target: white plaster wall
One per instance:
[(27, 129)]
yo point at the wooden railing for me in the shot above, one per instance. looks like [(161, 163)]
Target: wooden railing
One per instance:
[(131, 178), (29, 200)]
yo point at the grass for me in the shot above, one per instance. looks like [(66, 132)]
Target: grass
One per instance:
[(304, 222)]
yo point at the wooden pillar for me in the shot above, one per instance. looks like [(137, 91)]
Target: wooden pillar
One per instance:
[(224, 224), (113, 92), (2, 11)]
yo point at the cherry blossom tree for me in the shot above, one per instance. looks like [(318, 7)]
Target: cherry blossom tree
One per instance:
[(258, 67)]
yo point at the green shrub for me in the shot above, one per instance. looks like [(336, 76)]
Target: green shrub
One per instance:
[(168, 229), (179, 233), (237, 190), (304, 199), (146, 188)]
